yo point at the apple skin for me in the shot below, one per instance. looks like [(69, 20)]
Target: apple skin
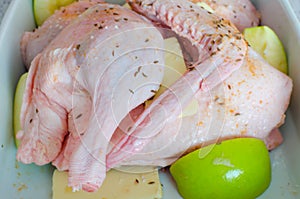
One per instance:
[(234, 169), (18, 105)]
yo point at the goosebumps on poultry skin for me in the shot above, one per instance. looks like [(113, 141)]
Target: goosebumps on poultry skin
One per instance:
[(220, 47), (32, 43), (99, 68), (246, 104), (221, 50), (241, 13)]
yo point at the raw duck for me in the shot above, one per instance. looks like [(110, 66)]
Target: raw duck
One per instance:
[(32, 43), (99, 68)]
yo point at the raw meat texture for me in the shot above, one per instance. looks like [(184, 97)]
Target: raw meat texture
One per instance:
[(241, 13), (274, 139), (221, 51), (82, 107), (100, 67), (32, 43), (250, 103), (219, 46)]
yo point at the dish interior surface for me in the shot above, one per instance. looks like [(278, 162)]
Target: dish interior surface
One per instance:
[(30, 181)]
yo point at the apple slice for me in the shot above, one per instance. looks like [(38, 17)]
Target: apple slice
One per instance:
[(143, 182), (18, 104), (42, 9), (265, 41), (174, 69)]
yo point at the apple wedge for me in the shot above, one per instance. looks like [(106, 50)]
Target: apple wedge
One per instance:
[(18, 104), (265, 41)]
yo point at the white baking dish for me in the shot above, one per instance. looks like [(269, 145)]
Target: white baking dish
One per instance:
[(29, 181)]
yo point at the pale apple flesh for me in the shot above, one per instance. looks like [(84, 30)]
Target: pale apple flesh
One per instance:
[(42, 9), (265, 41)]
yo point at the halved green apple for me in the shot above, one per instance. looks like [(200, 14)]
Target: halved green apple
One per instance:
[(233, 169)]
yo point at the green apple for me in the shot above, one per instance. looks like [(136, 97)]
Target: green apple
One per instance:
[(265, 41), (18, 104), (233, 169), (174, 68), (42, 9)]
